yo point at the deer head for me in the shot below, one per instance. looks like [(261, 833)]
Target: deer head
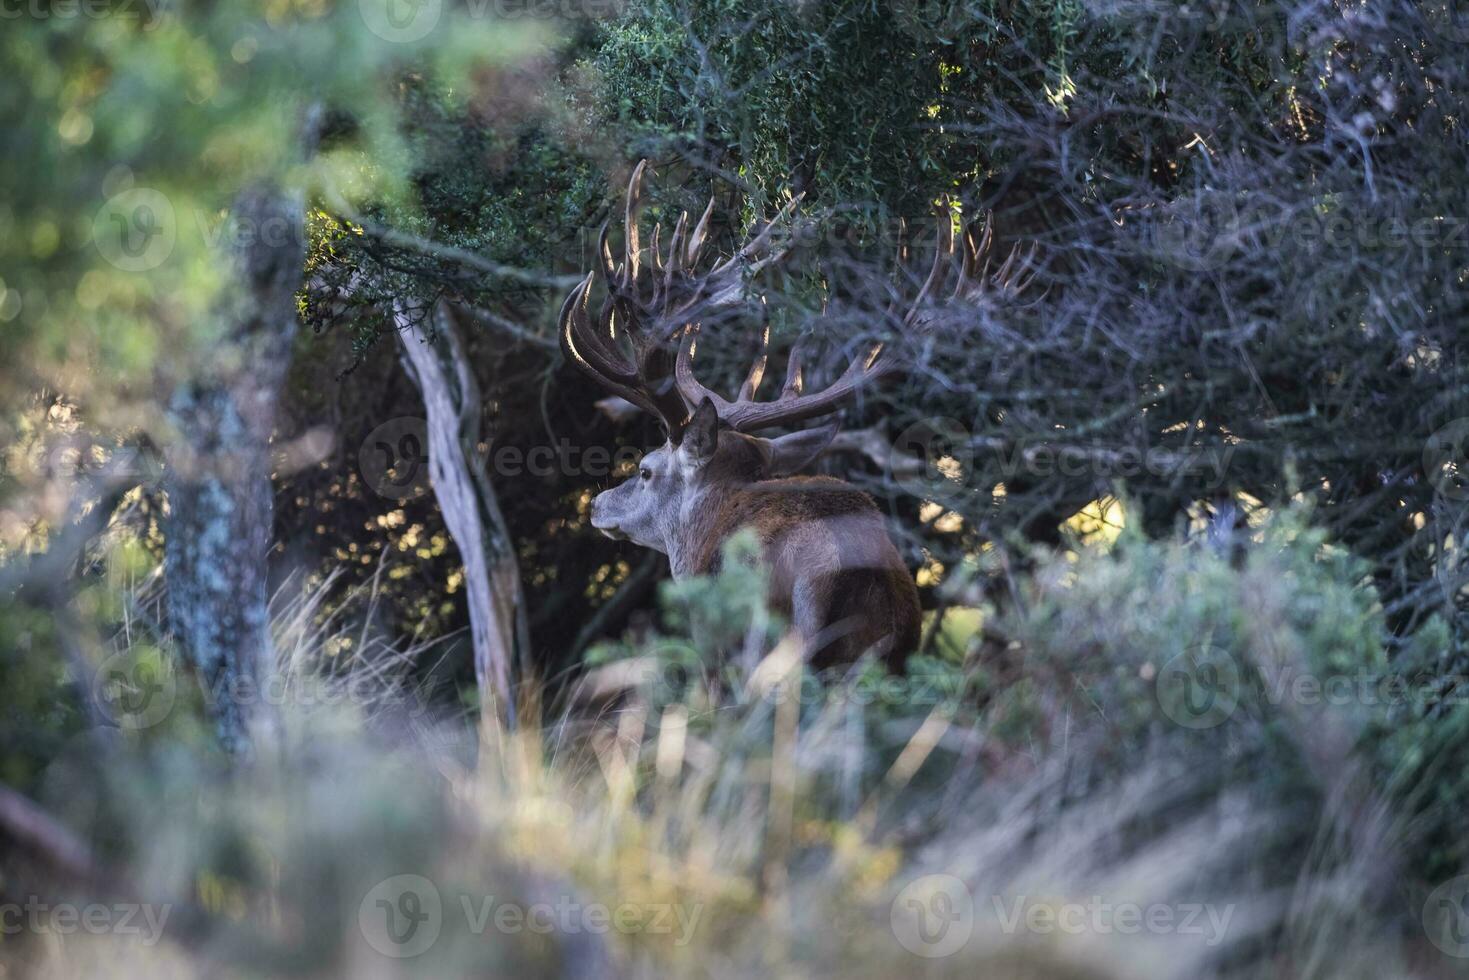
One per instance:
[(642, 347)]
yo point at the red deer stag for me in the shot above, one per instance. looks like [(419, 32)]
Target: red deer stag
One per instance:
[(832, 570)]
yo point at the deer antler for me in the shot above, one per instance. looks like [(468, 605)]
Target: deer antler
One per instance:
[(879, 361), (659, 307), (654, 304)]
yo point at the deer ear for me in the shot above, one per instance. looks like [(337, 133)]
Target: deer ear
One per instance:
[(793, 453), (701, 435)]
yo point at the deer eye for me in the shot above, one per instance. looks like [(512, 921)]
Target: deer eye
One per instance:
[(645, 474)]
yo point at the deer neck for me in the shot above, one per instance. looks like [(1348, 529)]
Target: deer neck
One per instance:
[(705, 519)]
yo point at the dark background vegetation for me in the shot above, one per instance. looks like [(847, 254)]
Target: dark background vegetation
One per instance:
[(1245, 213)]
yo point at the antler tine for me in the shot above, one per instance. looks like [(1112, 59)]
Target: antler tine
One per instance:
[(757, 252), (1033, 269), (747, 415), (696, 240), (675, 263), (968, 258), (793, 405), (1021, 278), (604, 257), (657, 262), (795, 377), (645, 378), (584, 347), (660, 313), (975, 249), (689, 387), (942, 250), (757, 367), (632, 247), (1004, 271)]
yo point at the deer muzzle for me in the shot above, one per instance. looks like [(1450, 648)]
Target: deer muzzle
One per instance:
[(602, 522)]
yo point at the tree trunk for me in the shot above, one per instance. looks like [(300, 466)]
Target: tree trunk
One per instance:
[(451, 399), (218, 528)]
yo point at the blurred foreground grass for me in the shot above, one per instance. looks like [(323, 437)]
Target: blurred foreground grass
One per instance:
[(1168, 763)]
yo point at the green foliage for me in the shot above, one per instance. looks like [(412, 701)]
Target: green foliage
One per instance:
[(41, 711), (721, 610), (1115, 620), (1422, 741), (706, 614), (826, 95), (1288, 643)]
